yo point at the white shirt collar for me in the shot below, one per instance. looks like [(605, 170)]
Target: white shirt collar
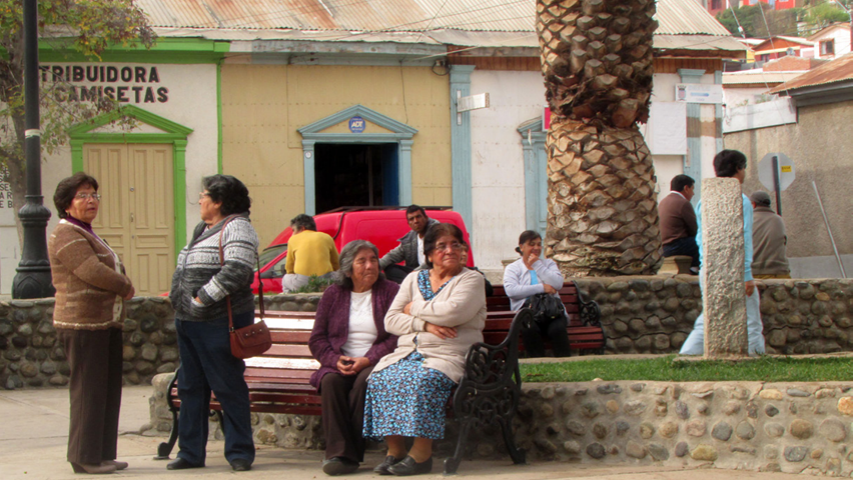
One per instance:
[(678, 193)]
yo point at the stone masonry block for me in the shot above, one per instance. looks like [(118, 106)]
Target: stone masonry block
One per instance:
[(723, 296)]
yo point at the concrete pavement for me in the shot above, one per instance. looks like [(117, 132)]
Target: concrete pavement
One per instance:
[(34, 427)]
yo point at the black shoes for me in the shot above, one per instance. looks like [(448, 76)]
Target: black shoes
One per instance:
[(382, 468), (339, 466), (181, 464), (408, 466), (241, 465)]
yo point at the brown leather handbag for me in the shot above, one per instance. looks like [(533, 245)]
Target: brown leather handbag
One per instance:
[(252, 340)]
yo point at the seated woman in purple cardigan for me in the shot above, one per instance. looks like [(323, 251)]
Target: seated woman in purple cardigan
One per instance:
[(348, 339)]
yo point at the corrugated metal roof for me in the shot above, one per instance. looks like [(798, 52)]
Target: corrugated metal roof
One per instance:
[(770, 43), (838, 70), (675, 17), (758, 77), (347, 15), (696, 42), (686, 17)]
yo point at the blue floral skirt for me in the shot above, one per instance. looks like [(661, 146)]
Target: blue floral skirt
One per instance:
[(406, 399)]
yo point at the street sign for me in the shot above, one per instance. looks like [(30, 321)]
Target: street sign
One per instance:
[(785, 171), (472, 102), (698, 93), (776, 172)]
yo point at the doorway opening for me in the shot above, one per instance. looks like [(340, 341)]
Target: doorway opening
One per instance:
[(356, 174)]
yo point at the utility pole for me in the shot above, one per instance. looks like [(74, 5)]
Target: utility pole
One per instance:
[(33, 278)]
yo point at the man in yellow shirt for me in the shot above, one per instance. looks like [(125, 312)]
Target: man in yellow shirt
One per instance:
[(309, 252)]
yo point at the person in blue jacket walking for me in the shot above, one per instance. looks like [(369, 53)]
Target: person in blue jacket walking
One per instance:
[(731, 164)]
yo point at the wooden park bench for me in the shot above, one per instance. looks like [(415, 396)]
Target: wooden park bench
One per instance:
[(278, 380), (584, 326), (488, 393)]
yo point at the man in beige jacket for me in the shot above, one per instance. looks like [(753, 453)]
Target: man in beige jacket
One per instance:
[(768, 239)]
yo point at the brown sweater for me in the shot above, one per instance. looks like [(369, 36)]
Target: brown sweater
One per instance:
[(89, 287), (769, 242), (677, 218)]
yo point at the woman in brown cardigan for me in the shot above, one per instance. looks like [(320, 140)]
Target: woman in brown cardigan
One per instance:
[(91, 288)]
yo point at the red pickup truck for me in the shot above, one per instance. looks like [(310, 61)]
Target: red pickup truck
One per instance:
[(382, 226)]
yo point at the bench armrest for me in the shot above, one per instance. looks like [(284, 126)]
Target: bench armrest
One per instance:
[(492, 381), (588, 310)]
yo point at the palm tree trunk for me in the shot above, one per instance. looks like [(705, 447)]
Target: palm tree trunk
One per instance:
[(598, 67)]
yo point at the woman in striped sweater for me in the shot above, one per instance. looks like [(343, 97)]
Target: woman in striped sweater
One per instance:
[(200, 286)]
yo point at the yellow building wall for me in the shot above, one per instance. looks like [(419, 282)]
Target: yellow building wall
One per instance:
[(264, 105)]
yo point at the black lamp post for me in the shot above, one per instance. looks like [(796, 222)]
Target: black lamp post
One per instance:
[(33, 277)]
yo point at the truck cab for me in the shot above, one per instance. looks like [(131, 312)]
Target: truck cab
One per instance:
[(382, 226)]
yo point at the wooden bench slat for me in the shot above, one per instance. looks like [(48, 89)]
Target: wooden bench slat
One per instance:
[(288, 350), (284, 397), (291, 409), (288, 336), (270, 385), (288, 314), (277, 373)]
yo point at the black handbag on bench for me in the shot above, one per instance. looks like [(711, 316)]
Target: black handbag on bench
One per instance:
[(546, 308)]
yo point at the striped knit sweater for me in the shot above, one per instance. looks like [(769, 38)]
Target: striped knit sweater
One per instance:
[(89, 280), (199, 273)]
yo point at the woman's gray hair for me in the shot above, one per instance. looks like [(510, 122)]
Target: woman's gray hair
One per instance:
[(346, 259)]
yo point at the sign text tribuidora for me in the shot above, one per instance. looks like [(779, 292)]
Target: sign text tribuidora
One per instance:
[(123, 84)]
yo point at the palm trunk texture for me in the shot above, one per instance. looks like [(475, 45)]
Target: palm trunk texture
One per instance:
[(598, 66)]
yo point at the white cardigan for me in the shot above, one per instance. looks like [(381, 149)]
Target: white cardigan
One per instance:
[(460, 304), (517, 280)]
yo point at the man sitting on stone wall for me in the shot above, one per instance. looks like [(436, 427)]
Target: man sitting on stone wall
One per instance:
[(770, 259), (731, 164), (678, 221)]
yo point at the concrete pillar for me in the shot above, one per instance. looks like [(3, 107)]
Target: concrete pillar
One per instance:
[(723, 293)]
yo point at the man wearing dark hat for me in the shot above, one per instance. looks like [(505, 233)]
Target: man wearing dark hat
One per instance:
[(768, 239)]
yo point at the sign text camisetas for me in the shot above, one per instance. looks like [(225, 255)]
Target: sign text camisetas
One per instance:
[(88, 83)]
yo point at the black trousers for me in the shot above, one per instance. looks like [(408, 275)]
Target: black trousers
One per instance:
[(94, 357), (397, 273), (342, 401), (683, 246), (555, 332)]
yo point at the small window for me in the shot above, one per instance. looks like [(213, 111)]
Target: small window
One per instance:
[(827, 47), (716, 4)]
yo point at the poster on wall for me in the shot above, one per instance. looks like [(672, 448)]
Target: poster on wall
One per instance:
[(7, 213), (666, 132)]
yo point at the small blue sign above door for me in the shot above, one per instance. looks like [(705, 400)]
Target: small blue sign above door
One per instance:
[(356, 124)]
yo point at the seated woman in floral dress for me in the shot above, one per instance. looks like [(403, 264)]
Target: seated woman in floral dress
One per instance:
[(437, 314)]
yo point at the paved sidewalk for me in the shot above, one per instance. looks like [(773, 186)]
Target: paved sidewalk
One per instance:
[(33, 435)]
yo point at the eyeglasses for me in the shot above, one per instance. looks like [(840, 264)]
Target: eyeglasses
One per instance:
[(202, 195), (453, 246), (86, 196)]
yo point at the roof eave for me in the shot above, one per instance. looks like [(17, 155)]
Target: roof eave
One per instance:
[(834, 92)]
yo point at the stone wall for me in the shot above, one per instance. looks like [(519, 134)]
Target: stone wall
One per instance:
[(31, 356), (788, 427), (654, 314)]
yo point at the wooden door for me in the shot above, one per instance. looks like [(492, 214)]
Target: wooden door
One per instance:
[(137, 214)]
